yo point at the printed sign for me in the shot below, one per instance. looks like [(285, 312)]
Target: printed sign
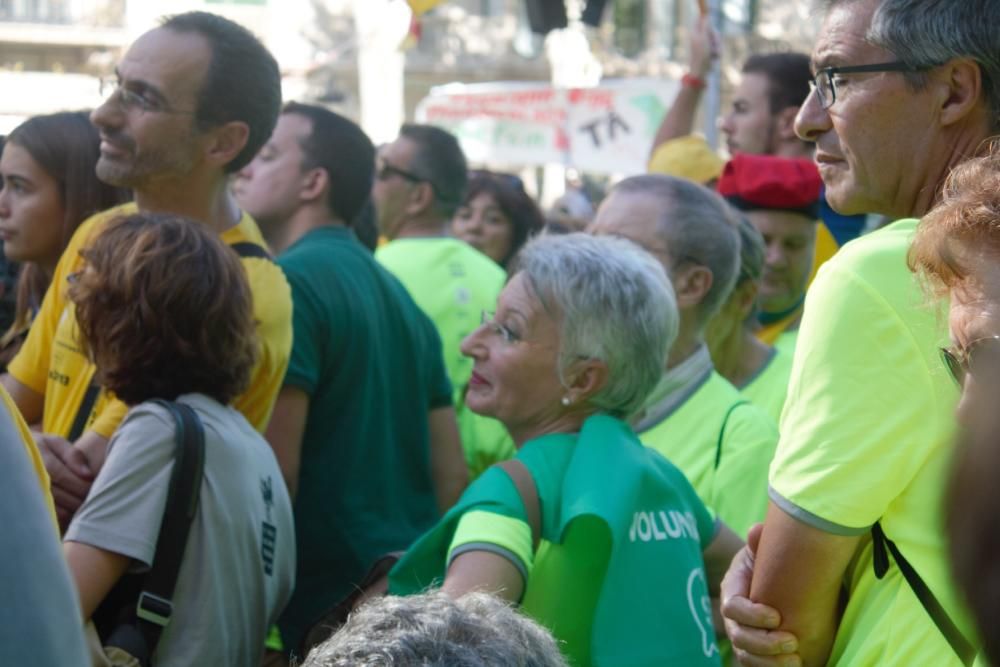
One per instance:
[(608, 129)]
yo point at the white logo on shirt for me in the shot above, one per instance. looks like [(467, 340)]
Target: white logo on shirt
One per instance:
[(701, 609), (663, 525)]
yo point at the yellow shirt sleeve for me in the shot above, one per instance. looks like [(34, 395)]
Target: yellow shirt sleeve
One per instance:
[(511, 535), (33, 455), (864, 407)]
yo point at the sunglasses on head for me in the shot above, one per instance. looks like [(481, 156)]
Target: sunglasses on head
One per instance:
[(959, 362)]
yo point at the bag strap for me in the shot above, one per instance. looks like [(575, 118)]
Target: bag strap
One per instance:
[(83, 411), (526, 488), (880, 562), (250, 249), (722, 431), (154, 607)]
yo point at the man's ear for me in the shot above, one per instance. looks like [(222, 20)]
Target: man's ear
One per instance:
[(691, 284), (784, 124), (421, 198), (960, 89), (746, 297), (226, 142), (585, 378), (315, 183)]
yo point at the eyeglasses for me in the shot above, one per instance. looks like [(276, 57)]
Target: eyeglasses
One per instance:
[(131, 100), (825, 82), (960, 362), (384, 171), (489, 321)]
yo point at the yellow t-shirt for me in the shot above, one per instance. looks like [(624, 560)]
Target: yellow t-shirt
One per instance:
[(32, 450), (866, 436), (51, 362), (723, 445)]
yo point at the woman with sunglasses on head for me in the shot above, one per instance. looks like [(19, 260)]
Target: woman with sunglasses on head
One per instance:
[(49, 188), (598, 537), (957, 251), (497, 216)]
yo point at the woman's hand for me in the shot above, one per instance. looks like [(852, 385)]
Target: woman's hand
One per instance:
[(752, 627)]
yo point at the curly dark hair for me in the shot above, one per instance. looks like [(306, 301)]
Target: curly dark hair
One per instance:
[(164, 309)]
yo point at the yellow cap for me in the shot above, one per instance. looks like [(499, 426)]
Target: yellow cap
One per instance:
[(687, 157)]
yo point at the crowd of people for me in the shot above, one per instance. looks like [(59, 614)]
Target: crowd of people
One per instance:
[(287, 397)]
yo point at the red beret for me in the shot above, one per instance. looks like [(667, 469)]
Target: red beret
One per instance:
[(752, 182)]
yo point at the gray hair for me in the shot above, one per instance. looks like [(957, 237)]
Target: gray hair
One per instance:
[(616, 304), (925, 33), (433, 630), (697, 225)]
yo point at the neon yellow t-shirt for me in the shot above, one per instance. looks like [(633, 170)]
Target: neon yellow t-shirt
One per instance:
[(867, 436), (767, 390), (723, 444), (486, 441), (51, 362), (453, 283)]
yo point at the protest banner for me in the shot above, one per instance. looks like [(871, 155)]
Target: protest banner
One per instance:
[(607, 129)]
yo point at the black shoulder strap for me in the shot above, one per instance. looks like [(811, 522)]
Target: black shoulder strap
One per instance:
[(154, 607), (526, 488), (722, 431), (83, 411), (249, 249), (880, 562)]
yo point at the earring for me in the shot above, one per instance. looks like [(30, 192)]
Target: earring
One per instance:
[(566, 400)]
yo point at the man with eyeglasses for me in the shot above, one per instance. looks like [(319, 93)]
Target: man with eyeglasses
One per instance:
[(720, 441), (192, 102), (420, 181), (852, 557)]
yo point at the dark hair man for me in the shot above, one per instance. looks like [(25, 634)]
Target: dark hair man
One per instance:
[(193, 101), (420, 181), (365, 362)]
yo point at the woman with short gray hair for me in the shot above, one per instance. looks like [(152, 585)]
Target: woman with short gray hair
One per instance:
[(598, 538)]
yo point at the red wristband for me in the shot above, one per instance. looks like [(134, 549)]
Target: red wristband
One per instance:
[(692, 81)]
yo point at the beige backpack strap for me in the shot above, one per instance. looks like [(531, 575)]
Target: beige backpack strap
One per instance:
[(525, 484)]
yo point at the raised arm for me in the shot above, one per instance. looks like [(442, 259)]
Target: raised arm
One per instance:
[(704, 50)]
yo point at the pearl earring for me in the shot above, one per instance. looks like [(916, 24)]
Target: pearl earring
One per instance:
[(566, 400)]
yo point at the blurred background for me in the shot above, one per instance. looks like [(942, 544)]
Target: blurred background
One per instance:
[(512, 78)]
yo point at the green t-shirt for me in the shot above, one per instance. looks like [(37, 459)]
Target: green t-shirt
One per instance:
[(609, 506), (867, 436), (370, 362), (723, 444), (767, 389)]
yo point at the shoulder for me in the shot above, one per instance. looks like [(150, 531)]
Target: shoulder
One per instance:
[(878, 259), (91, 227)]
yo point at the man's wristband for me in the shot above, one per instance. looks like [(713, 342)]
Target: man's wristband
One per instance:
[(692, 81)]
